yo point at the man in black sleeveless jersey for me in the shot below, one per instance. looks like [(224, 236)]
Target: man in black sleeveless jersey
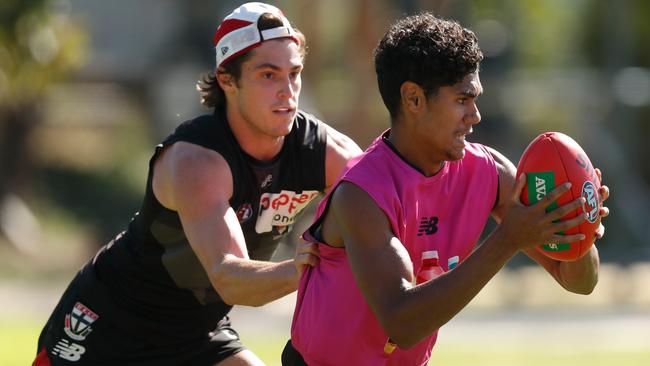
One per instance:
[(222, 190)]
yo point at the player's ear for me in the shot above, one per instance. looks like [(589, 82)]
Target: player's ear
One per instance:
[(226, 81), (412, 96)]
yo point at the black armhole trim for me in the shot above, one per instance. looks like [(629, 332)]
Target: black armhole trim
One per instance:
[(496, 202), (315, 228), (321, 150)]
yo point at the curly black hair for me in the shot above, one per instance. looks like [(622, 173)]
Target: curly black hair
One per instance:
[(429, 51)]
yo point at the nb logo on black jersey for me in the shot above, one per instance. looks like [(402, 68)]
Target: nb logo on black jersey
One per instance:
[(428, 225)]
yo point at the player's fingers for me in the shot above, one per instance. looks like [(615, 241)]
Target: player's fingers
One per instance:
[(301, 240), (600, 232), (307, 259), (307, 247), (568, 224), (559, 212), (604, 193), (603, 211), (599, 174), (557, 238), (304, 246), (555, 194), (301, 261), (519, 187)]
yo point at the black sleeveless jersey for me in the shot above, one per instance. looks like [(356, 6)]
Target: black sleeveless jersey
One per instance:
[(151, 269)]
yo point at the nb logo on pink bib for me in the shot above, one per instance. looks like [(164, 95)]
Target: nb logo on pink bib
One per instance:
[(428, 225)]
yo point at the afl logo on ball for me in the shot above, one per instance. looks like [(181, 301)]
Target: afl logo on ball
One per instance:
[(591, 201)]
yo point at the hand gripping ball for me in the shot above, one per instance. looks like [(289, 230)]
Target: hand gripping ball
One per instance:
[(550, 160)]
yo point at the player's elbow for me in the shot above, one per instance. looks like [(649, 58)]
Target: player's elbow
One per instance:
[(585, 291), (581, 276), (231, 295), (583, 282), (402, 337), (405, 331), (404, 341), (585, 287), (223, 288), (222, 283)]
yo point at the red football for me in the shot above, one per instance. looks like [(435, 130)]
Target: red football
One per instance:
[(550, 160)]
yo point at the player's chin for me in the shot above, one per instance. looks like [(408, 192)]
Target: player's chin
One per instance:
[(283, 129), (456, 154), (457, 149), (284, 118), (281, 126)]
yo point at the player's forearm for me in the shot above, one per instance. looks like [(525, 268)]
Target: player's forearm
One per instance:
[(425, 308), (580, 276), (254, 283)]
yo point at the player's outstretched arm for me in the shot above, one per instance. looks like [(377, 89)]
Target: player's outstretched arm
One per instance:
[(383, 271), (579, 276), (197, 183)]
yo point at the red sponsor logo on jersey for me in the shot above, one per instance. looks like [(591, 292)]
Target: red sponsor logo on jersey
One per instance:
[(291, 200), (280, 209)]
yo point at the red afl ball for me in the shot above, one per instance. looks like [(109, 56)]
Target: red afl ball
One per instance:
[(550, 160)]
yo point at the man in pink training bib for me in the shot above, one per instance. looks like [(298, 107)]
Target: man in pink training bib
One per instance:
[(397, 235)]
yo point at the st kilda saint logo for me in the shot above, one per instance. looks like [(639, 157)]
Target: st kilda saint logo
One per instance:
[(77, 323)]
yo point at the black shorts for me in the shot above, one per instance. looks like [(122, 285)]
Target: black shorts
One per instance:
[(88, 328), (291, 357)]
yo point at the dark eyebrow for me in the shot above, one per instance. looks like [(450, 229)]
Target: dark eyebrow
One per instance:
[(470, 93), (267, 66), (274, 67)]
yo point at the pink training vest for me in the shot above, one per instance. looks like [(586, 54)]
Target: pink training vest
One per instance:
[(332, 323)]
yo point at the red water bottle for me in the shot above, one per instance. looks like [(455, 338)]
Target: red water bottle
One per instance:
[(429, 270)]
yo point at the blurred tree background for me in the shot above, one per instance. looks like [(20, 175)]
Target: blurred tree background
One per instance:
[(87, 88)]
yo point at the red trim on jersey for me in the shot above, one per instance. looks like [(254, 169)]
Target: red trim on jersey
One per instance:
[(41, 359)]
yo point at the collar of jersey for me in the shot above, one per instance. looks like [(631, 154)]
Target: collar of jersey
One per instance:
[(439, 173)]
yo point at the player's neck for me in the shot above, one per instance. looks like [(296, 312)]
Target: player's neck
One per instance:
[(254, 142), (411, 150)]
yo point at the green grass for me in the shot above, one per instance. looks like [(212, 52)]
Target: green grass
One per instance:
[(18, 337), (536, 355), (269, 347)]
